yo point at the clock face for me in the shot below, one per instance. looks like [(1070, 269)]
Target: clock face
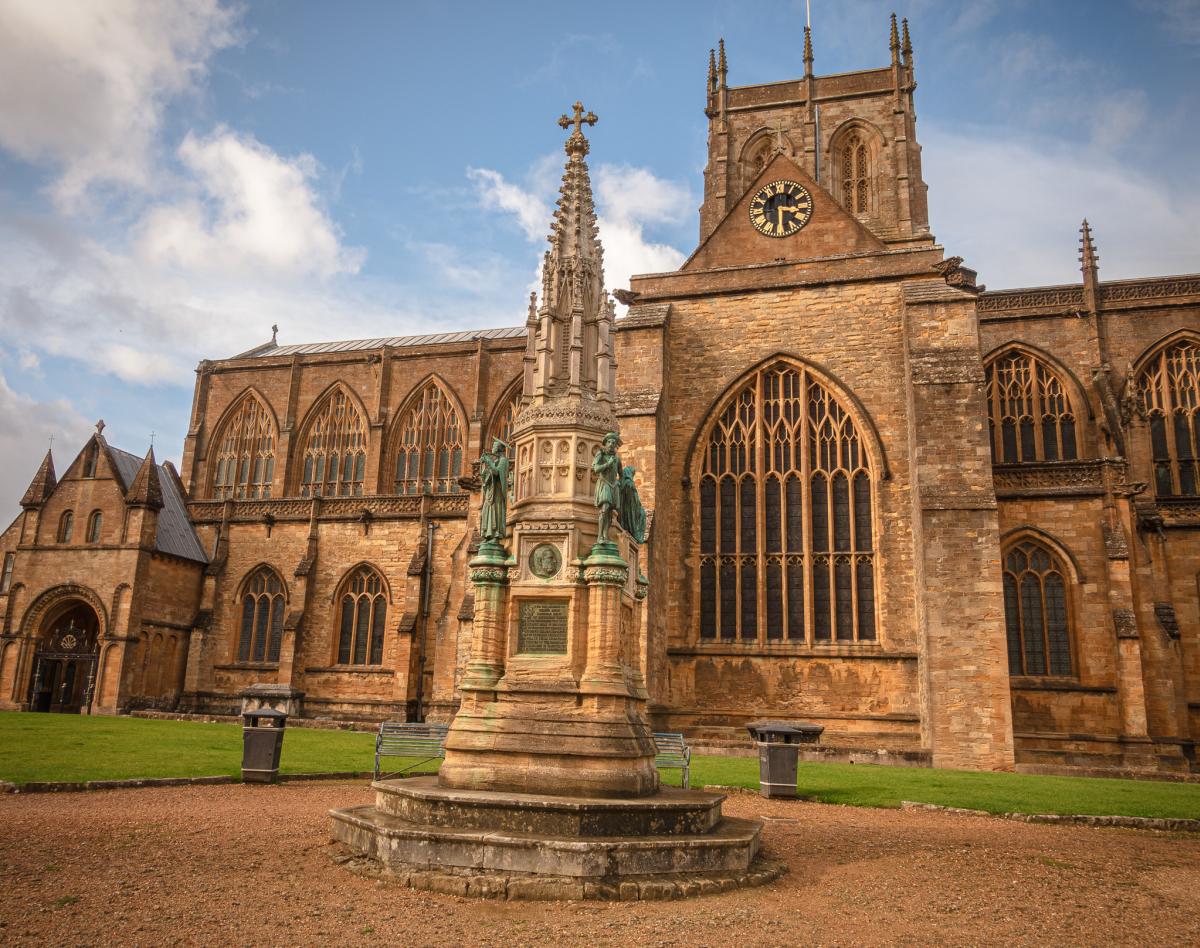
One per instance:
[(781, 208)]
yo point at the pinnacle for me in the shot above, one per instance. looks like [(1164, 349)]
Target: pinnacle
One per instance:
[(146, 489), (42, 485)]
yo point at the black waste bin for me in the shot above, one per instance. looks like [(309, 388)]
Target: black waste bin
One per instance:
[(778, 748), (262, 742)]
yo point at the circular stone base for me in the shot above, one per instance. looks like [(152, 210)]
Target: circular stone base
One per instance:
[(539, 846), (515, 885)]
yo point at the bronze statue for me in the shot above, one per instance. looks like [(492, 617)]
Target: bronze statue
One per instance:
[(607, 467), (633, 514), (493, 470)]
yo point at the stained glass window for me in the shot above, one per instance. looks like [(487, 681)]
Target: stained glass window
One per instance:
[(363, 619), (428, 443), (1037, 618), (1169, 388), (335, 449), (786, 537), (244, 462), (262, 617), (1030, 416)]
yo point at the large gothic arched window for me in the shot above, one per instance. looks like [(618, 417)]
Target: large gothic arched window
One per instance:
[(335, 449), (262, 617), (428, 443), (785, 514), (1169, 388), (1029, 413), (1036, 615), (363, 618), (244, 462)]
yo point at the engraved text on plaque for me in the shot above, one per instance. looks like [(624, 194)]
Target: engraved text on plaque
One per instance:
[(543, 627)]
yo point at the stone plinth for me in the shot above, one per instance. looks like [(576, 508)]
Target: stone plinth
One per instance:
[(492, 839)]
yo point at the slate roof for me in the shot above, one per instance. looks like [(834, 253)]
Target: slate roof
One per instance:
[(175, 534), (352, 345)]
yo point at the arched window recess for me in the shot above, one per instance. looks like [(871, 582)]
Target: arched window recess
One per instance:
[(243, 462), (785, 515), (428, 442), (262, 601), (1037, 608), (1168, 389), (362, 617), (1031, 415), (333, 452)]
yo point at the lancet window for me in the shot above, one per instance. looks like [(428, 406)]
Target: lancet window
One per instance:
[(335, 449), (10, 560), (1036, 613), (856, 174), (89, 461), (95, 525), (363, 617), (262, 617), (245, 455), (1169, 388), (429, 444), (66, 526), (784, 509), (1029, 413)]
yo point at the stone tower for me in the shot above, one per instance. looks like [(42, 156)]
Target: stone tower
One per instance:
[(552, 699), (852, 133)]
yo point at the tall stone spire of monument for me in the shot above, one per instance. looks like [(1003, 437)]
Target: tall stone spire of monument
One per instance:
[(573, 344)]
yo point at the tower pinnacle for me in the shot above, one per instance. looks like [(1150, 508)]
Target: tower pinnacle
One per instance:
[(572, 344)]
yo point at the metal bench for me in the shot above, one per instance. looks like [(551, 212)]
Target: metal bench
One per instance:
[(404, 739), (672, 753)]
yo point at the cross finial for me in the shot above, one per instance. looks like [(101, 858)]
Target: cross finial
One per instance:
[(151, 439), (100, 426), (579, 119), (274, 332), (576, 145), (52, 442)]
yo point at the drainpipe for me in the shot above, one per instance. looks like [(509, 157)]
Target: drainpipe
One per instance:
[(427, 592)]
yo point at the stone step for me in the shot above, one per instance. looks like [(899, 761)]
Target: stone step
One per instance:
[(404, 846), (671, 811)]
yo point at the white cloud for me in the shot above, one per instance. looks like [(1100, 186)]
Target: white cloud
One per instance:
[(248, 209), (1013, 209), (83, 85), (628, 200), (532, 213), (28, 425)]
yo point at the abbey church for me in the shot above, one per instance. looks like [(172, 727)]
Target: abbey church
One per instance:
[(957, 527)]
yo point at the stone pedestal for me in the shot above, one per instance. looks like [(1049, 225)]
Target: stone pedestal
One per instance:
[(515, 845)]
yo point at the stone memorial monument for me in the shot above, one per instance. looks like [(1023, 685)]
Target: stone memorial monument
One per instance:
[(548, 787)]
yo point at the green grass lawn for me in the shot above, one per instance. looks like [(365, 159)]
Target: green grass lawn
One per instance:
[(38, 747)]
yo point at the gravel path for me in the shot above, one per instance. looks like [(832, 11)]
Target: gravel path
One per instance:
[(252, 866)]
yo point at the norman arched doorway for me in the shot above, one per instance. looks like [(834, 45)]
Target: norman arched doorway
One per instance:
[(64, 665)]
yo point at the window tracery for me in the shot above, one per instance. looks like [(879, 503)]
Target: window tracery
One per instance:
[(786, 551), (429, 444), (1036, 614), (363, 619), (1030, 416), (856, 174), (262, 617), (1169, 388), (335, 449), (504, 418), (245, 456)]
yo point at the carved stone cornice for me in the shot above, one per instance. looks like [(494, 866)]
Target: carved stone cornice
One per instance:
[(1179, 511), (1117, 294), (353, 509), (1053, 478)]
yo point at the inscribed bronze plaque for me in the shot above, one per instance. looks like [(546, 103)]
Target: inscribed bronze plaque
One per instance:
[(543, 627)]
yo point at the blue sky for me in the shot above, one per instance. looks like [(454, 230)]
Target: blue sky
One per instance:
[(177, 176)]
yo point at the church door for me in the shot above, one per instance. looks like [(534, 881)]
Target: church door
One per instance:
[(64, 670)]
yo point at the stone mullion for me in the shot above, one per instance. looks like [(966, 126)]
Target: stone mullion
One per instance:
[(807, 565), (760, 470)]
